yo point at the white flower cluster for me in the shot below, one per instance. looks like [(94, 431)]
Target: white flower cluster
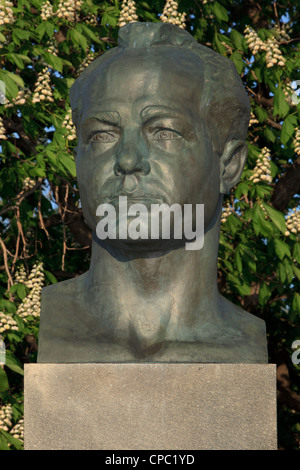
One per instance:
[(281, 32), (2, 131), (171, 15), (85, 63), (264, 210), (274, 55), (43, 90), (67, 9), (293, 223), (28, 183), (47, 10), (69, 126), (229, 49), (128, 13), (20, 276), (254, 42), (253, 119), (18, 430), (288, 91), (296, 141), (262, 170), (7, 323), (31, 305), (226, 211), (91, 19), (20, 99), (6, 414), (52, 47), (6, 13)]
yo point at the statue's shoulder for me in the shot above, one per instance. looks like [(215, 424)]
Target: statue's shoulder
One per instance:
[(248, 330), (62, 296), (62, 305), (63, 288)]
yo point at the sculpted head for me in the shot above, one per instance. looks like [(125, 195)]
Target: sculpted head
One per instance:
[(160, 118)]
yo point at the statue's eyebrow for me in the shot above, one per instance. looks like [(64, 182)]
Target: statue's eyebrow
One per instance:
[(109, 117), (155, 111)]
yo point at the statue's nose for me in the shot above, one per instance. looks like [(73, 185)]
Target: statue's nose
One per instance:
[(132, 156)]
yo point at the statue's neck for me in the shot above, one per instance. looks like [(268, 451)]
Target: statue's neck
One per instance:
[(181, 280)]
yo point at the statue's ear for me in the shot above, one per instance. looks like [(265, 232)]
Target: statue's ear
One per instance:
[(232, 163)]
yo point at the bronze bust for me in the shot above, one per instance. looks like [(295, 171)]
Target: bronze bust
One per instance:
[(160, 119)]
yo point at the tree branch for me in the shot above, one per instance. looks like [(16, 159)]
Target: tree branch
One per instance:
[(287, 186)]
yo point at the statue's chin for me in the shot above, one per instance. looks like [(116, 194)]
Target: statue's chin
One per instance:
[(142, 245)]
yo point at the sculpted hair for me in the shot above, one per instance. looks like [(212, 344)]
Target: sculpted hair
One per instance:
[(224, 103)]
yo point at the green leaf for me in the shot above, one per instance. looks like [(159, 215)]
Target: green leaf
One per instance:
[(40, 30), (219, 11), (242, 188), (239, 284), (218, 45), (276, 217), (78, 39), (11, 89), (237, 59), (16, 78), (238, 261), (50, 277), (50, 28), (108, 19), (4, 445), (55, 62), (280, 105), (21, 291), (269, 134), (296, 271), (296, 252), (288, 127), (260, 224), (2, 38), (263, 189), (289, 270), (281, 249), (89, 33), (261, 114), (13, 442), (251, 265), (15, 60), (281, 272), (264, 294), (69, 81), (4, 384), (237, 39), (19, 35), (69, 164), (13, 364), (7, 305), (296, 305)]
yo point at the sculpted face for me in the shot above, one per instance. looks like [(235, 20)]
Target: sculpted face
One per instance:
[(141, 134)]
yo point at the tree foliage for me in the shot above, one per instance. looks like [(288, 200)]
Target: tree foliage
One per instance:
[(44, 239)]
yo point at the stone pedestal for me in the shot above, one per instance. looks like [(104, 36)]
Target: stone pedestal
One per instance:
[(155, 406)]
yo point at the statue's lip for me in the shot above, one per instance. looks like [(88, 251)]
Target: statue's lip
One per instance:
[(135, 196)]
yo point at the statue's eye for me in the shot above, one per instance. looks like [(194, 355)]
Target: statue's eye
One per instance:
[(165, 134), (104, 137)]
